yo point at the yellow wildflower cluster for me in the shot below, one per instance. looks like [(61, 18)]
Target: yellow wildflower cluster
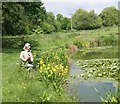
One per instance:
[(113, 99), (51, 70), (53, 66)]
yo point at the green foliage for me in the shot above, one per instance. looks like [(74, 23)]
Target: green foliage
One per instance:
[(15, 21), (34, 42), (11, 43), (48, 28), (35, 11), (78, 44), (83, 19), (107, 68), (108, 40), (57, 25), (37, 31), (111, 98), (109, 16), (60, 17), (56, 56), (50, 25), (21, 17), (50, 17), (53, 68), (65, 22), (65, 25), (24, 17)]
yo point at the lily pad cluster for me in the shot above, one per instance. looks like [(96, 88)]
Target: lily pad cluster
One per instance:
[(107, 68)]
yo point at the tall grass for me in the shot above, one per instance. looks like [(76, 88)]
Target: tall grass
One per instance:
[(47, 41), (21, 86)]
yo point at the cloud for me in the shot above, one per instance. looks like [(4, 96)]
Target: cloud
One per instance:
[(66, 8), (89, 1)]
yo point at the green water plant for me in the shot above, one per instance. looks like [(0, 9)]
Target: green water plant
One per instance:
[(105, 68), (110, 96)]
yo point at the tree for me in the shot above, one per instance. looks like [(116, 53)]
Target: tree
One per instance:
[(14, 21), (83, 19), (60, 17), (50, 17), (65, 25), (64, 22), (109, 16), (35, 11), (79, 18), (21, 17), (94, 20), (57, 25), (48, 28)]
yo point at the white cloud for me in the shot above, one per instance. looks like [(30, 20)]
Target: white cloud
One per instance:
[(90, 1), (66, 8)]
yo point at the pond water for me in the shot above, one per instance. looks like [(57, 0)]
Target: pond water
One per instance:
[(85, 89), (110, 52)]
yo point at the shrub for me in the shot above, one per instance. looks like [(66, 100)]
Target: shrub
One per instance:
[(78, 44), (48, 28), (108, 40)]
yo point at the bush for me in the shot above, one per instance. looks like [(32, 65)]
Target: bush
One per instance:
[(34, 42), (47, 28), (78, 44), (108, 40), (12, 42)]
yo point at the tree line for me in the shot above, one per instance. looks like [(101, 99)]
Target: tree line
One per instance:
[(20, 18)]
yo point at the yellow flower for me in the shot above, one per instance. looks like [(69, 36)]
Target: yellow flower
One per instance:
[(113, 99), (54, 69), (66, 69), (40, 68), (51, 72), (49, 75), (40, 71), (48, 64), (44, 65), (48, 68), (62, 67), (41, 62)]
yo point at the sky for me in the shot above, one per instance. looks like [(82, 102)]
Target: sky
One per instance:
[(68, 7)]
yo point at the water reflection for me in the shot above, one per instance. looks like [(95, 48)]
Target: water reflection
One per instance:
[(84, 89), (97, 54)]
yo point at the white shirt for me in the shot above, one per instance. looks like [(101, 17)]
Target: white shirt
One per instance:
[(24, 55)]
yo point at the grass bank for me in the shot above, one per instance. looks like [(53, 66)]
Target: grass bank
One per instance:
[(21, 86), (48, 41)]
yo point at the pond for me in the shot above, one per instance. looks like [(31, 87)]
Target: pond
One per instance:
[(85, 89), (98, 53)]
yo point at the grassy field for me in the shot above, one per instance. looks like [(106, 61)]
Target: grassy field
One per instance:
[(47, 41), (20, 86)]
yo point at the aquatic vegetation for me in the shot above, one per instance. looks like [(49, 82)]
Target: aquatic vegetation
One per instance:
[(107, 68), (110, 96)]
